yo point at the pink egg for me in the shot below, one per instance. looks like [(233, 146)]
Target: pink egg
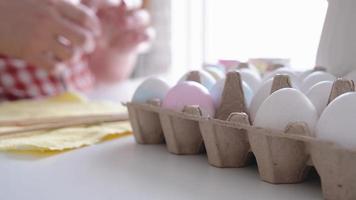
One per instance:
[(189, 93)]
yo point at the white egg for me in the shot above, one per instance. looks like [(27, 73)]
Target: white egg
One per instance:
[(315, 78), (254, 69), (251, 78), (217, 90), (319, 95), (262, 93), (151, 88), (284, 71), (337, 122), (298, 74), (206, 79), (351, 76), (285, 106), (304, 74)]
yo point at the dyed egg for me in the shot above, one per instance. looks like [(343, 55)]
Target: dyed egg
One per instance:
[(189, 93), (315, 78), (206, 79), (251, 78), (337, 122), (262, 93), (151, 88), (217, 90), (319, 95), (285, 106), (215, 72)]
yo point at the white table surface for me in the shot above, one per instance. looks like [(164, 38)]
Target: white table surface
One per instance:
[(122, 169)]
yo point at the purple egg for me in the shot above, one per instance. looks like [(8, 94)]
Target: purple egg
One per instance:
[(189, 93)]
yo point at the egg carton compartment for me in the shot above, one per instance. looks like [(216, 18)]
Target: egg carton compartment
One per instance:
[(336, 168), (182, 131), (283, 157), (144, 119), (280, 159), (226, 144)]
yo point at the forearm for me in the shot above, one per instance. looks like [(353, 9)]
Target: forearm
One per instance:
[(111, 66), (7, 39)]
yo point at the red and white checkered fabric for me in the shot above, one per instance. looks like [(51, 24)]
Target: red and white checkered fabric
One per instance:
[(19, 80)]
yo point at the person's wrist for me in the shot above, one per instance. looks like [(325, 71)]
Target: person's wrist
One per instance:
[(110, 66)]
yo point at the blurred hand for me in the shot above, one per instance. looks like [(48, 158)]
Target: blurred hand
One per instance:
[(46, 32), (123, 30)]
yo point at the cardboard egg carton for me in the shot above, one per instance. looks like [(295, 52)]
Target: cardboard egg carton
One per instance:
[(231, 141)]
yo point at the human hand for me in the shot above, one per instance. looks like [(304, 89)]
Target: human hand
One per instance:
[(46, 32), (124, 30)]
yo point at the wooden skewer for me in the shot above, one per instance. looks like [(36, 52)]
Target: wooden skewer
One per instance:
[(62, 122), (49, 120)]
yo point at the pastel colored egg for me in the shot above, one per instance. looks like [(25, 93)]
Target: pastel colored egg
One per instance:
[(251, 78), (337, 122), (315, 78), (189, 93), (151, 88), (215, 72), (319, 95), (217, 90), (262, 93), (285, 106), (206, 79)]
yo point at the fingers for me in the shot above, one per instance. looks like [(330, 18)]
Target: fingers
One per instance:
[(93, 4), (80, 15), (96, 4), (133, 40), (78, 37), (61, 51), (141, 35), (54, 55), (142, 17), (137, 19), (149, 34), (122, 8), (69, 33)]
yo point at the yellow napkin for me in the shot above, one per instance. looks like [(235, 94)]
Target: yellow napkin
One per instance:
[(68, 104)]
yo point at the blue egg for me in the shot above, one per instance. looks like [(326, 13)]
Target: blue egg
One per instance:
[(217, 90), (207, 80), (217, 73), (151, 88)]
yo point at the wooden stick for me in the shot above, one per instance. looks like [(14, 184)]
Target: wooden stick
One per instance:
[(63, 122), (49, 120)]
